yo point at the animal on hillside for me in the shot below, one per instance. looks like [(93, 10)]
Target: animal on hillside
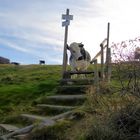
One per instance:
[(79, 58), (15, 63), (41, 62)]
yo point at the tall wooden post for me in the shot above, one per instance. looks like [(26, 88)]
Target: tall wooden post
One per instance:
[(102, 61), (65, 45), (96, 75), (102, 45), (108, 30), (108, 56), (65, 23), (109, 65)]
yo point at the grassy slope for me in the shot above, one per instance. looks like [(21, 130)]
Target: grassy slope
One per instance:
[(21, 85), (111, 114)]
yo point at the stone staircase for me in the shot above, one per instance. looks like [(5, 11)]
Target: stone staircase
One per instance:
[(49, 110)]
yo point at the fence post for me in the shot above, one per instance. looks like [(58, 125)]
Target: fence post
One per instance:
[(109, 65), (65, 24), (65, 47), (107, 53), (102, 62), (108, 30), (96, 75)]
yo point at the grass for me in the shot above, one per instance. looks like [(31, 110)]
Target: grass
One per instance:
[(108, 115), (21, 85)]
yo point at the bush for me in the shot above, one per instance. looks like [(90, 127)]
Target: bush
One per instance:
[(127, 122)]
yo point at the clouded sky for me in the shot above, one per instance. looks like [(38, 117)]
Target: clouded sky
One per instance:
[(31, 30)]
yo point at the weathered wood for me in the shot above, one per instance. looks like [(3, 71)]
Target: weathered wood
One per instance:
[(96, 76), (21, 137), (69, 81), (108, 30), (67, 97), (107, 54), (34, 118), (17, 132), (67, 74), (58, 107), (102, 62), (62, 116), (65, 47), (66, 100), (72, 89), (109, 65), (79, 72), (8, 127)]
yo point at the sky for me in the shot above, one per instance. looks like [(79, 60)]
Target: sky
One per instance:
[(31, 30)]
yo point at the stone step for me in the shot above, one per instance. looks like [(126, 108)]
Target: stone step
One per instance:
[(62, 115), (23, 133), (72, 89), (19, 131), (55, 106), (6, 128), (46, 120), (53, 109), (22, 136), (34, 118), (66, 97), (77, 81), (73, 100)]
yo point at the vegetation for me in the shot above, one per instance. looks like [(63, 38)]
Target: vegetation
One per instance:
[(112, 113), (20, 86), (108, 117)]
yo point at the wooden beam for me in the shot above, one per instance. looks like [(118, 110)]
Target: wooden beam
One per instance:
[(107, 69), (102, 62), (109, 66), (80, 72), (65, 47), (108, 30), (96, 76)]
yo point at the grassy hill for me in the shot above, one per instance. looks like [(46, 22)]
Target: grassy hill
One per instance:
[(112, 113), (21, 85)]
